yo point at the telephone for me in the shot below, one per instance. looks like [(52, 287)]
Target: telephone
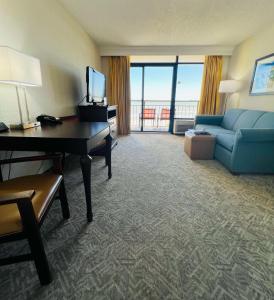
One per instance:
[(48, 120), (3, 127)]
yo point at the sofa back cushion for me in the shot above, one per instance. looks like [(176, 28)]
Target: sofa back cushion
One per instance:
[(247, 119), (230, 117), (265, 121)]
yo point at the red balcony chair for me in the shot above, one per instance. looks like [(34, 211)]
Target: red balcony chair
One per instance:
[(164, 115), (148, 114)]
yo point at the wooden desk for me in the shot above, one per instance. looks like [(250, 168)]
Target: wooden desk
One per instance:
[(70, 137)]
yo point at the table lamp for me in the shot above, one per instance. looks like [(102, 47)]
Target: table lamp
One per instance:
[(229, 87), (20, 70)]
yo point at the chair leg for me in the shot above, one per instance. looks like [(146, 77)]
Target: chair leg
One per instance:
[(108, 154), (32, 231), (64, 201), (106, 157), (40, 258)]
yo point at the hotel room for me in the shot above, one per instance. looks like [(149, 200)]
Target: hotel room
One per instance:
[(136, 149)]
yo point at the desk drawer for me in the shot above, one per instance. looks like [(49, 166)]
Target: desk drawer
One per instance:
[(99, 140), (113, 127)]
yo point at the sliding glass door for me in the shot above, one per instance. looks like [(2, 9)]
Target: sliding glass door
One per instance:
[(157, 98), (151, 97), (161, 92)]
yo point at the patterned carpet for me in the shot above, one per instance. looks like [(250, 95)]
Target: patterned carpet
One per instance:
[(165, 227)]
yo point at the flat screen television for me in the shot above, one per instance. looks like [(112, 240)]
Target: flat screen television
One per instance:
[(96, 86)]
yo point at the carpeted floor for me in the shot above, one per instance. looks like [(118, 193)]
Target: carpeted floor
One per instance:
[(165, 227)]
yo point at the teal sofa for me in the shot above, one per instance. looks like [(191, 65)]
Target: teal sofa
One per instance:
[(244, 139)]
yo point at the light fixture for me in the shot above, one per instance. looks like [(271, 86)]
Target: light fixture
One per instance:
[(21, 70), (229, 87)]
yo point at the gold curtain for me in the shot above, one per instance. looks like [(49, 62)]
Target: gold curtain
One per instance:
[(210, 98), (119, 90)]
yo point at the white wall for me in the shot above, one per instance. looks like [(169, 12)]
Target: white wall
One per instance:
[(44, 29), (241, 68)]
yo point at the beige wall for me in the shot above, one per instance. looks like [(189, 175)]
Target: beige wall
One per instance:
[(241, 68), (226, 60), (44, 29)]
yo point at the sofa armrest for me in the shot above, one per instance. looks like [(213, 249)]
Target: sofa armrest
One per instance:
[(253, 151), (255, 135), (209, 120)]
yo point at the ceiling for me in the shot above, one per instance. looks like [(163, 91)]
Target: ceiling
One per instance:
[(171, 22)]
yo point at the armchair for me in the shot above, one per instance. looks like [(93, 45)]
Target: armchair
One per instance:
[(24, 204)]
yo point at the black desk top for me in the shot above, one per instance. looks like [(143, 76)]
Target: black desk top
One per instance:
[(70, 129), (72, 136)]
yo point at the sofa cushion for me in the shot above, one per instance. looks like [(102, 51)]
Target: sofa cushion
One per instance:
[(247, 119), (205, 127), (212, 129), (265, 121), (226, 140), (230, 118)]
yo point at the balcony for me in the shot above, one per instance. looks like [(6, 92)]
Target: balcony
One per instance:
[(157, 113)]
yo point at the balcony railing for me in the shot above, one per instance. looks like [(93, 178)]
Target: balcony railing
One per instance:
[(156, 113)]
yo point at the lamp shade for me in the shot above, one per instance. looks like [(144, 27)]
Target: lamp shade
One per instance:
[(18, 68), (229, 86)]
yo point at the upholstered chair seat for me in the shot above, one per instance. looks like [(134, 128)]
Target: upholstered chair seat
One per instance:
[(24, 204), (44, 186)]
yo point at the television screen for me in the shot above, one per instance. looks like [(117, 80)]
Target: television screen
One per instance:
[(98, 93), (95, 85), (89, 76)]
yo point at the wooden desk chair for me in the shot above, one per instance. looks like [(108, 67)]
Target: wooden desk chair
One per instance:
[(24, 203)]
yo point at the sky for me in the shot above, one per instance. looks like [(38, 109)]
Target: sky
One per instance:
[(158, 82)]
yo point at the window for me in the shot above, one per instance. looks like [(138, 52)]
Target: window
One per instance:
[(188, 89), (136, 83), (157, 83)]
